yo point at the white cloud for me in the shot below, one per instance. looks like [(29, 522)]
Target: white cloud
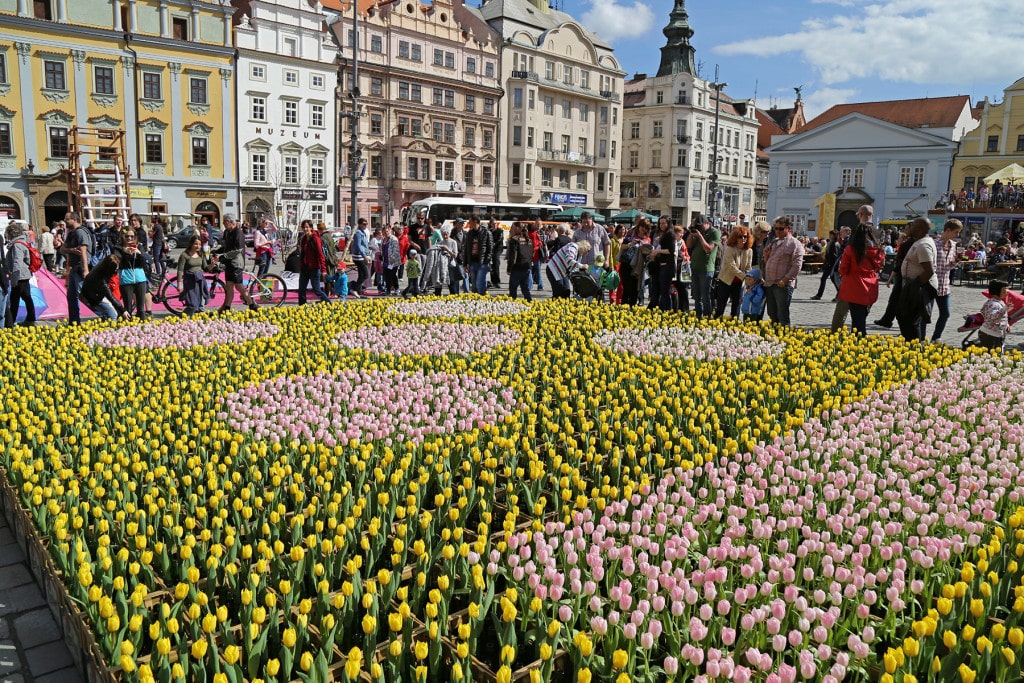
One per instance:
[(910, 41), (612, 21), (819, 100)]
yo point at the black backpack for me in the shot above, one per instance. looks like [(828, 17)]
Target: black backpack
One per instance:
[(522, 254)]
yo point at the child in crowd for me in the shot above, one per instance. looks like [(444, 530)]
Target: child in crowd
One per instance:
[(753, 303), (412, 271), (996, 315)]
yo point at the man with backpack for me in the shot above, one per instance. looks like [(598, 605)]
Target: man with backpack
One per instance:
[(520, 261), (78, 246), (476, 254)]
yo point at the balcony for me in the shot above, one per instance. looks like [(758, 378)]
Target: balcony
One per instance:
[(682, 139), (567, 157), (525, 76), (413, 185), (610, 95), (682, 99)]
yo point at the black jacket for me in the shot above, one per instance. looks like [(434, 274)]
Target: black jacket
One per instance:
[(483, 236)]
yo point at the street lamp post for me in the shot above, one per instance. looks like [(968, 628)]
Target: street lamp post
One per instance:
[(713, 184), (352, 116)]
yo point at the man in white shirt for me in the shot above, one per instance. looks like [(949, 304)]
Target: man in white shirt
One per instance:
[(920, 283)]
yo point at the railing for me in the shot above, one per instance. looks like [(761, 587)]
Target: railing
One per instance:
[(525, 75), (610, 94), (681, 99), (569, 157), (683, 138)]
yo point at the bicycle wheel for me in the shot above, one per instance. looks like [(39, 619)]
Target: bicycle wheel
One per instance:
[(218, 295), (171, 295), (270, 290)]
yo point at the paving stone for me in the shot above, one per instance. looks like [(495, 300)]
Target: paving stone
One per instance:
[(6, 535), (36, 628), (68, 675), (14, 575), (5, 630), (11, 554), (21, 599), (9, 661), (48, 658)]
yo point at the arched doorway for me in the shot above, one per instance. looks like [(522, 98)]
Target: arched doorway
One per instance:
[(847, 219), (55, 207), (9, 206), (211, 211), (255, 210)]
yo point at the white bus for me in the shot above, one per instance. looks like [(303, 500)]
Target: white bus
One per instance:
[(442, 211)]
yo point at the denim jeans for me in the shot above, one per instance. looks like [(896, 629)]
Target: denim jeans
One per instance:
[(702, 295), (535, 273), (519, 278), (3, 308), (75, 281), (104, 309), (942, 303), (778, 300), (478, 276), (310, 278)]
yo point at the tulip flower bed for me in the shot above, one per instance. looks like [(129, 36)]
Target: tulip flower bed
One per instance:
[(479, 489)]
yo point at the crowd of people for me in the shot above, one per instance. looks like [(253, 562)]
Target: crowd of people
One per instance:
[(744, 272), (1001, 195)]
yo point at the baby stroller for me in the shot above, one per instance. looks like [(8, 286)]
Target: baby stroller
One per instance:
[(973, 322), (584, 286)]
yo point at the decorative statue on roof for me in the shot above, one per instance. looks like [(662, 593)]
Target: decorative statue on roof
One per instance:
[(799, 92)]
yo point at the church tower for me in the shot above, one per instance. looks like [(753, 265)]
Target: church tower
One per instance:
[(677, 55)]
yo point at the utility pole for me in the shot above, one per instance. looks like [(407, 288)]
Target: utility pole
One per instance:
[(354, 157), (713, 184)]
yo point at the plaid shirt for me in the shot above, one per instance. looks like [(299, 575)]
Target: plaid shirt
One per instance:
[(945, 259), (782, 261)]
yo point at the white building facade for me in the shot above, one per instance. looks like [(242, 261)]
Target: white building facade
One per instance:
[(896, 156), (669, 150), (562, 110), (429, 103), (287, 113)]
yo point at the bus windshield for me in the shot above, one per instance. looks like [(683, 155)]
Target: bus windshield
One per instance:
[(444, 212)]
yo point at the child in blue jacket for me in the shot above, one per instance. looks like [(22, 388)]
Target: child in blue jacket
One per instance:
[(753, 304)]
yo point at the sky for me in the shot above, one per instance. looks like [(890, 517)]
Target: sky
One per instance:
[(837, 51)]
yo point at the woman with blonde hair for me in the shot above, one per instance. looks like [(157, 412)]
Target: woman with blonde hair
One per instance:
[(736, 261)]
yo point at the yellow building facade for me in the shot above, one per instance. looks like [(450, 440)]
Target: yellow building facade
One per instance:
[(162, 70), (996, 143)]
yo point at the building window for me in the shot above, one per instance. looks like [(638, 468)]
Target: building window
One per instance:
[(376, 86), (438, 96), (485, 172), (634, 158), (291, 170), (291, 113), (469, 136), (584, 79), (154, 148), (6, 148), (3, 68), (488, 138), (567, 75), (438, 57), (613, 156), (565, 143), (549, 141), (545, 177), (471, 65), (1020, 143), (316, 81), (151, 86), (417, 56), (58, 143), (681, 158), (852, 177), (698, 189), (799, 177), (489, 105), (179, 28), (376, 166), (584, 111), (566, 109), (489, 73), (376, 124), (291, 47), (529, 137), (517, 98), (258, 167), (41, 9), (563, 178), (257, 72), (449, 63), (698, 161), (403, 90), (200, 154), (412, 168), (470, 103), (197, 90), (634, 130), (55, 75), (403, 49), (549, 105), (912, 176), (657, 129), (516, 178), (602, 148), (317, 166), (316, 115), (449, 133), (102, 80), (659, 97), (449, 99), (258, 108), (517, 136), (656, 158), (680, 192), (581, 180), (748, 169), (437, 131), (376, 44), (993, 143), (600, 181), (467, 174)]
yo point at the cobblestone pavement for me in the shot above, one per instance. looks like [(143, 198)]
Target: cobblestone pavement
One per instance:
[(31, 644)]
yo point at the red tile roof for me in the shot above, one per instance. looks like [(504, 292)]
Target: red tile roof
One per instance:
[(769, 127), (933, 112)]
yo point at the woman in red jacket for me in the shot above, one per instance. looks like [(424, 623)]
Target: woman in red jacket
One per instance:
[(862, 259), (313, 262)]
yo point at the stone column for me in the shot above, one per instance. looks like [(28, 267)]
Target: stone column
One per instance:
[(174, 94), (131, 122), (30, 132), (226, 125)]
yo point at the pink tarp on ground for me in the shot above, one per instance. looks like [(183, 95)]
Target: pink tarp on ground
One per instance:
[(55, 293)]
